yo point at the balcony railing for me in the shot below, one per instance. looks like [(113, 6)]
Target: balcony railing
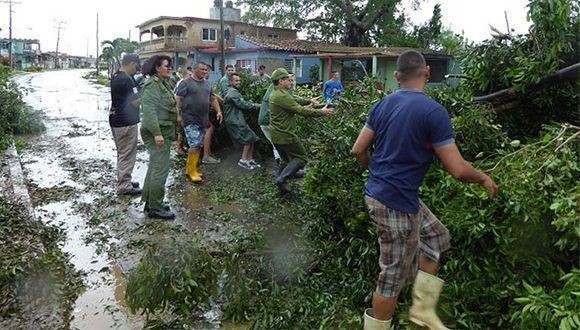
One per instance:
[(160, 43)]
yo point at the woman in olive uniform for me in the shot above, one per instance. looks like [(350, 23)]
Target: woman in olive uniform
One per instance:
[(158, 128)]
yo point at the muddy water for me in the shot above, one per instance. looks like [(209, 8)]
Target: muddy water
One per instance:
[(70, 167)]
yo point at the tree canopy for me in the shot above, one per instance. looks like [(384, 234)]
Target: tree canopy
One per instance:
[(354, 23)]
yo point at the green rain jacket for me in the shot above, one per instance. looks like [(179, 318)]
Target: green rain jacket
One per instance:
[(283, 110), (223, 86), (233, 107), (157, 105)]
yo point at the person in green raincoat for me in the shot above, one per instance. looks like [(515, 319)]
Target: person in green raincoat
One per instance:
[(283, 110), (236, 125), (223, 84), (158, 129)]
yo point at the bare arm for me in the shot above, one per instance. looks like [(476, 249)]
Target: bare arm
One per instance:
[(361, 147), (462, 170), (215, 103), (179, 106), (136, 102)]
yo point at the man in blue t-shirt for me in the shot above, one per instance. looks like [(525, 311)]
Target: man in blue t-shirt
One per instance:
[(407, 129), (123, 118), (332, 88)]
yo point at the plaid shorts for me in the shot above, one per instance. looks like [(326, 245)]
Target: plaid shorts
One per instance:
[(194, 135), (401, 235)]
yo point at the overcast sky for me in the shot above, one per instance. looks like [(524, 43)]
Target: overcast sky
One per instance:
[(38, 19)]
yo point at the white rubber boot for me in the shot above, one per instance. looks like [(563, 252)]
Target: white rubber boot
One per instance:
[(425, 296), (373, 324)]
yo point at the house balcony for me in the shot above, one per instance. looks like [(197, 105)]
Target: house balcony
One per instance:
[(169, 42)]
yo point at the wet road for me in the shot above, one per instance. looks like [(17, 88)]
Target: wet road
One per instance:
[(70, 169)]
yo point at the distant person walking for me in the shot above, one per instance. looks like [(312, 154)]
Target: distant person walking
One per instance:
[(407, 128), (236, 125), (157, 131), (194, 96), (283, 110), (123, 118), (332, 88)]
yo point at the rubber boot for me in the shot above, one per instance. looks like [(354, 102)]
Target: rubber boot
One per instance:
[(371, 323), (191, 168), (288, 171), (426, 292)]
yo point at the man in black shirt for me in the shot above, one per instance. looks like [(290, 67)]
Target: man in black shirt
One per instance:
[(123, 118)]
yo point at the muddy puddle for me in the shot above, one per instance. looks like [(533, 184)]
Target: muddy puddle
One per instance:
[(70, 170)]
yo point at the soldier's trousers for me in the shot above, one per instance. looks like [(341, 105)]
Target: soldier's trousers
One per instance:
[(154, 185)]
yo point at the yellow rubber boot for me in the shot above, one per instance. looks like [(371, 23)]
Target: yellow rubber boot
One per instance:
[(371, 323), (191, 168), (426, 292)]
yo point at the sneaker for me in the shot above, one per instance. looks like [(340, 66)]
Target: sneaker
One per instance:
[(245, 164), (210, 160), (254, 163)]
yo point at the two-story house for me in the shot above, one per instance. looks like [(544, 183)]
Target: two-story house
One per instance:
[(25, 52), (181, 37)]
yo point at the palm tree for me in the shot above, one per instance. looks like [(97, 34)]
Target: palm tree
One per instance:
[(113, 51)]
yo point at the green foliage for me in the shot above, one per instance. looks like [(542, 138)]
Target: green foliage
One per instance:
[(176, 277), (34, 272), (113, 50), (353, 23), (15, 117), (314, 74)]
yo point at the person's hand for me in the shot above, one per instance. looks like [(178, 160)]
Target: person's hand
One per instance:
[(159, 140), (314, 101), (219, 117), (327, 111), (179, 120), (490, 186)]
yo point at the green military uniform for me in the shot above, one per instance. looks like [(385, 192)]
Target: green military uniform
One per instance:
[(223, 86), (159, 118), (283, 110), (236, 125)]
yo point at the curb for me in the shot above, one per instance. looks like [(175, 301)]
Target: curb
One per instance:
[(17, 180)]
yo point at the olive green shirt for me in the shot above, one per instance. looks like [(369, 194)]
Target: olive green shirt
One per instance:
[(283, 110), (223, 86), (264, 116), (157, 105)]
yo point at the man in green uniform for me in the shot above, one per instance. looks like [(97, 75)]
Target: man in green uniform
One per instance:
[(283, 110), (224, 82), (236, 125)]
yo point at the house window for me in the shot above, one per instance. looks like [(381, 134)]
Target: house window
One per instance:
[(438, 70), (242, 32), (273, 36), (245, 64), (298, 72), (289, 65), (208, 34)]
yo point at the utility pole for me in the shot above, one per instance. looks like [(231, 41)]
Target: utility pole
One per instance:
[(10, 3), (97, 59), (59, 27), (222, 37)]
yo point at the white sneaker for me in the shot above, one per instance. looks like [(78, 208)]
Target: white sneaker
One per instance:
[(245, 164), (254, 163)]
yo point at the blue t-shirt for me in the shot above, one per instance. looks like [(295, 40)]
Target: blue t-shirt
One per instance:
[(328, 90), (407, 125)]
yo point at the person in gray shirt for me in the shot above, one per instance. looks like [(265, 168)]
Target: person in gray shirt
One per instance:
[(193, 98)]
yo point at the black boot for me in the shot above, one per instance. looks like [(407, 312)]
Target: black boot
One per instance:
[(288, 171), (146, 208), (161, 214)]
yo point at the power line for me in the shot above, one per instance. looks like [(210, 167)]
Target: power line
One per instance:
[(10, 11), (59, 28)]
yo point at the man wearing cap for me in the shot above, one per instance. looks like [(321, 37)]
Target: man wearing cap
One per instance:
[(123, 118), (283, 110)]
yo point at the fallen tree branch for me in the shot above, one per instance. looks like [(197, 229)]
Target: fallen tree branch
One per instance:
[(569, 73)]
